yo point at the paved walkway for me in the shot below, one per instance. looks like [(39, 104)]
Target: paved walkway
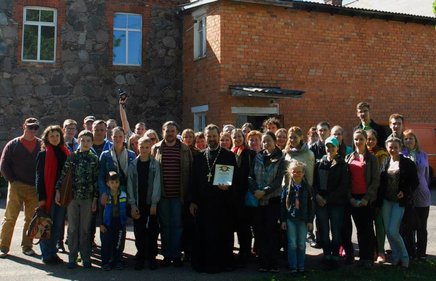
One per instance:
[(17, 266)]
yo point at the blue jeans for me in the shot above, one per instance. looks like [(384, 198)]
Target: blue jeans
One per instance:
[(48, 246), (330, 218), (392, 216), (296, 232), (170, 218)]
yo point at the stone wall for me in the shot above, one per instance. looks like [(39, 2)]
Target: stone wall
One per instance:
[(83, 80)]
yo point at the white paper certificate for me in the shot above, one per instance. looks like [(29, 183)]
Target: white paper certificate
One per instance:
[(223, 174)]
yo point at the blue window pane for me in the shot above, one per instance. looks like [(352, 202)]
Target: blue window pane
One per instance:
[(134, 22), (134, 48), (120, 20), (119, 50)]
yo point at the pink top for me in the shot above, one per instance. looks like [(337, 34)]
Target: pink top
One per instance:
[(358, 182)]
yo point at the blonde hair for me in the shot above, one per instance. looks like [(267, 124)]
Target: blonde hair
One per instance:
[(410, 132), (295, 164), (292, 165), (298, 132)]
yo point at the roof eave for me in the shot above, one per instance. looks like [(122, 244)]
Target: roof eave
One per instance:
[(319, 7)]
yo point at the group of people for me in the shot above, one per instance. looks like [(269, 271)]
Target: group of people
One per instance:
[(283, 187)]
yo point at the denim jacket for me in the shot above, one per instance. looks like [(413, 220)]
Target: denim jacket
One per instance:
[(154, 187)]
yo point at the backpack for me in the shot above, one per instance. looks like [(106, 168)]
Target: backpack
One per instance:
[(40, 225)]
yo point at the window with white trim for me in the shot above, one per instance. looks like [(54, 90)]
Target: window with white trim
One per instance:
[(200, 36), (127, 39), (39, 34), (200, 120)]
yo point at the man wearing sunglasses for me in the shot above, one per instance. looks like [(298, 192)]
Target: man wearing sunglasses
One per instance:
[(17, 165)]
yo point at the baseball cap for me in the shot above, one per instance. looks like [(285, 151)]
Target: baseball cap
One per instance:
[(89, 118), (31, 121), (332, 140)]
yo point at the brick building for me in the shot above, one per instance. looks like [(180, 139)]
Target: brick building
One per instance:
[(246, 60), (66, 59)]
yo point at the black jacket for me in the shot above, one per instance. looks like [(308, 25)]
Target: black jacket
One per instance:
[(408, 179), (381, 132), (337, 181)]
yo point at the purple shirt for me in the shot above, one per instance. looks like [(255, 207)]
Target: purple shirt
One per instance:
[(422, 195)]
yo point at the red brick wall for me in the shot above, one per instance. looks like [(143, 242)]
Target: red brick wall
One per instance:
[(200, 88), (337, 60)]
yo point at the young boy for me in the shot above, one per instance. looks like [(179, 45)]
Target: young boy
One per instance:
[(85, 195), (144, 191), (113, 227), (297, 215)]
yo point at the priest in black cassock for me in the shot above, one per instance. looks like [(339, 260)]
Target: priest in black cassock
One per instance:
[(211, 206)]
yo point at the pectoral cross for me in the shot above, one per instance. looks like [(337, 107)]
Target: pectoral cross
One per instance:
[(209, 176)]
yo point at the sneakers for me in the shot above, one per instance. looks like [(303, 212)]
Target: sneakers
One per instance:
[(53, 260), (274, 269), (71, 265), (315, 244), (3, 254), (87, 264), (29, 252), (381, 259), (61, 248)]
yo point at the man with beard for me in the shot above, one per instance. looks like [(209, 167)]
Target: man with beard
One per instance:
[(211, 206), (175, 159)]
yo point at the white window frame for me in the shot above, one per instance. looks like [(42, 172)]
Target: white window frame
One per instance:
[(200, 36), (39, 24), (127, 30), (200, 115)]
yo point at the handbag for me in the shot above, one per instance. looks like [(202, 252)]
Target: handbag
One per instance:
[(40, 225), (250, 200), (67, 188)]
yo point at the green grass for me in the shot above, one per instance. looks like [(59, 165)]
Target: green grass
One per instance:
[(418, 271)]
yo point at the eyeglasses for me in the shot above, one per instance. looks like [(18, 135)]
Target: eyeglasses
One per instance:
[(71, 129), (32, 127)]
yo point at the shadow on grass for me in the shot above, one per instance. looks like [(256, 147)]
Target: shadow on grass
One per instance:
[(418, 271)]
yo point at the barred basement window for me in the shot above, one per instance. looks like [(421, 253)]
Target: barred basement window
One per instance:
[(127, 39), (39, 34)]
